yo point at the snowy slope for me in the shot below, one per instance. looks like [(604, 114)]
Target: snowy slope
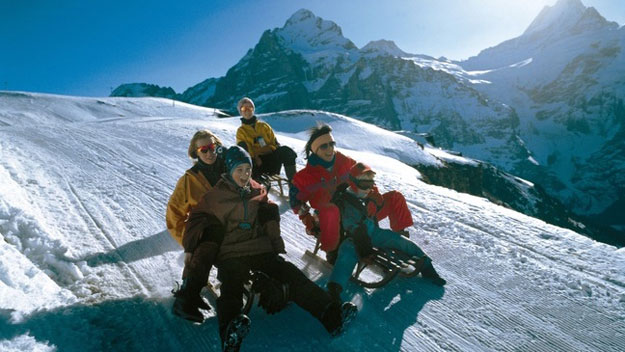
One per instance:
[(86, 263)]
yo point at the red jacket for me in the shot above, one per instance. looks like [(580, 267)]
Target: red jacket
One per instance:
[(316, 185)]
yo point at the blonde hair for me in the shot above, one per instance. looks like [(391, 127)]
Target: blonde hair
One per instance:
[(201, 134)]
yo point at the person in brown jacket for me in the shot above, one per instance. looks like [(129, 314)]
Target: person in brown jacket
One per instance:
[(196, 181), (239, 229)]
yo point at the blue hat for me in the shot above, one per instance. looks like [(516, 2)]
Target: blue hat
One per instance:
[(236, 156)]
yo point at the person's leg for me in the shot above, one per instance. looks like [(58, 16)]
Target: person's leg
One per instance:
[(388, 239), (301, 289), (232, 274), (329, 217), (396, 209), (287, 158), (195, 276), (384, 238), (271, 163), (332, 314), (343, 267)]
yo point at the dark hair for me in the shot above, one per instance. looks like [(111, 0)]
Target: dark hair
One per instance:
[(316, 132)]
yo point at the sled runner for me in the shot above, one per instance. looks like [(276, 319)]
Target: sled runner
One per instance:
[(385, 265)]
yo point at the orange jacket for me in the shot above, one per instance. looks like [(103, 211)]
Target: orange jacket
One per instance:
[(190, 188)]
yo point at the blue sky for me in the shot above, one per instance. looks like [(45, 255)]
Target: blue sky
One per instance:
[(86, 48)]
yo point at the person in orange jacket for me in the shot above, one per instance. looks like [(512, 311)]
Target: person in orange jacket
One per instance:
[(190, 188), (258, 139), (316, 183)]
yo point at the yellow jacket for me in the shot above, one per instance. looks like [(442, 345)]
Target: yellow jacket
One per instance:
[(250, 136), (188, 192)]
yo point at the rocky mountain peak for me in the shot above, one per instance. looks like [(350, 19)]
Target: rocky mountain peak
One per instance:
[(383, 47), (567, 16), (304, 32)]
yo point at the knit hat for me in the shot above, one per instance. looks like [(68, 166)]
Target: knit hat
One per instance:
[(361, 176), (245, 100), (236, 156)]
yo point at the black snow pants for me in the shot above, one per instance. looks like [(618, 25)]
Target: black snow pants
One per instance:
[(272, 163), (234, 272)]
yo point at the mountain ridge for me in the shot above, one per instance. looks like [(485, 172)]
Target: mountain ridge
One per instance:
[(488, 107)]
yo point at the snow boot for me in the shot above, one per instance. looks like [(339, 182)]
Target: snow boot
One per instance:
[(430, 273), (237, 329), (337, 317), (186, 303)]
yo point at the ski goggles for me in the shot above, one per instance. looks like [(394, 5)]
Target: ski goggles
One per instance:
[(247, 108), (364, 184), (206, 148)]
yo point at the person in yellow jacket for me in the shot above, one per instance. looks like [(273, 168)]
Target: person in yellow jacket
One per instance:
[(258, 139), (190, 188)]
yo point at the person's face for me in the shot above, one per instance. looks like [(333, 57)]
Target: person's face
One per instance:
[(206, 150), (247, 111), (241, 174), (326, 149)]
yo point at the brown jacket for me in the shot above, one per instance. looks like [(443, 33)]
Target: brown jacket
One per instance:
[(245, 223)]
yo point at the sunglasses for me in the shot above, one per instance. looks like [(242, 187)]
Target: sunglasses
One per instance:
[(247, 108), (206, 148), (364, 184), (326, 146)]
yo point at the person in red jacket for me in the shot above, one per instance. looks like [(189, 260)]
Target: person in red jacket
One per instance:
[(315, 184)]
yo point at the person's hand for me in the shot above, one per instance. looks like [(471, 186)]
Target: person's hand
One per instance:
[(274, 295), (362, 242), (187, 258), (312, 224)]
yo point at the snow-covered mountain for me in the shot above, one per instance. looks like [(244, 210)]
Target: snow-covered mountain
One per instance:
[(143, 90), (86, 263), (565, 78), (546, 106)]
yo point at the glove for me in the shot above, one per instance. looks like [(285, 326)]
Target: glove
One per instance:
[(311, 223), (273, 294), (362, 242)]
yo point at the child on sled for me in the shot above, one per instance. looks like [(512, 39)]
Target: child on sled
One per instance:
[(362, 232)]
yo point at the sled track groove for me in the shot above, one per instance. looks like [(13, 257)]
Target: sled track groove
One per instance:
[(134, 275)]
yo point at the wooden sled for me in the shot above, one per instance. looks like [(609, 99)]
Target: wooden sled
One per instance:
[(279, 181), (385, 266)]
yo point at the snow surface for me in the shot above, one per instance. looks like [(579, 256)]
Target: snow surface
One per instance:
[(87, 265)]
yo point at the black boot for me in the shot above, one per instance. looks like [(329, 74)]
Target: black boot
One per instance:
[(430, 273), (337, 316), (335, 290), (185, 304), (235, 332)]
